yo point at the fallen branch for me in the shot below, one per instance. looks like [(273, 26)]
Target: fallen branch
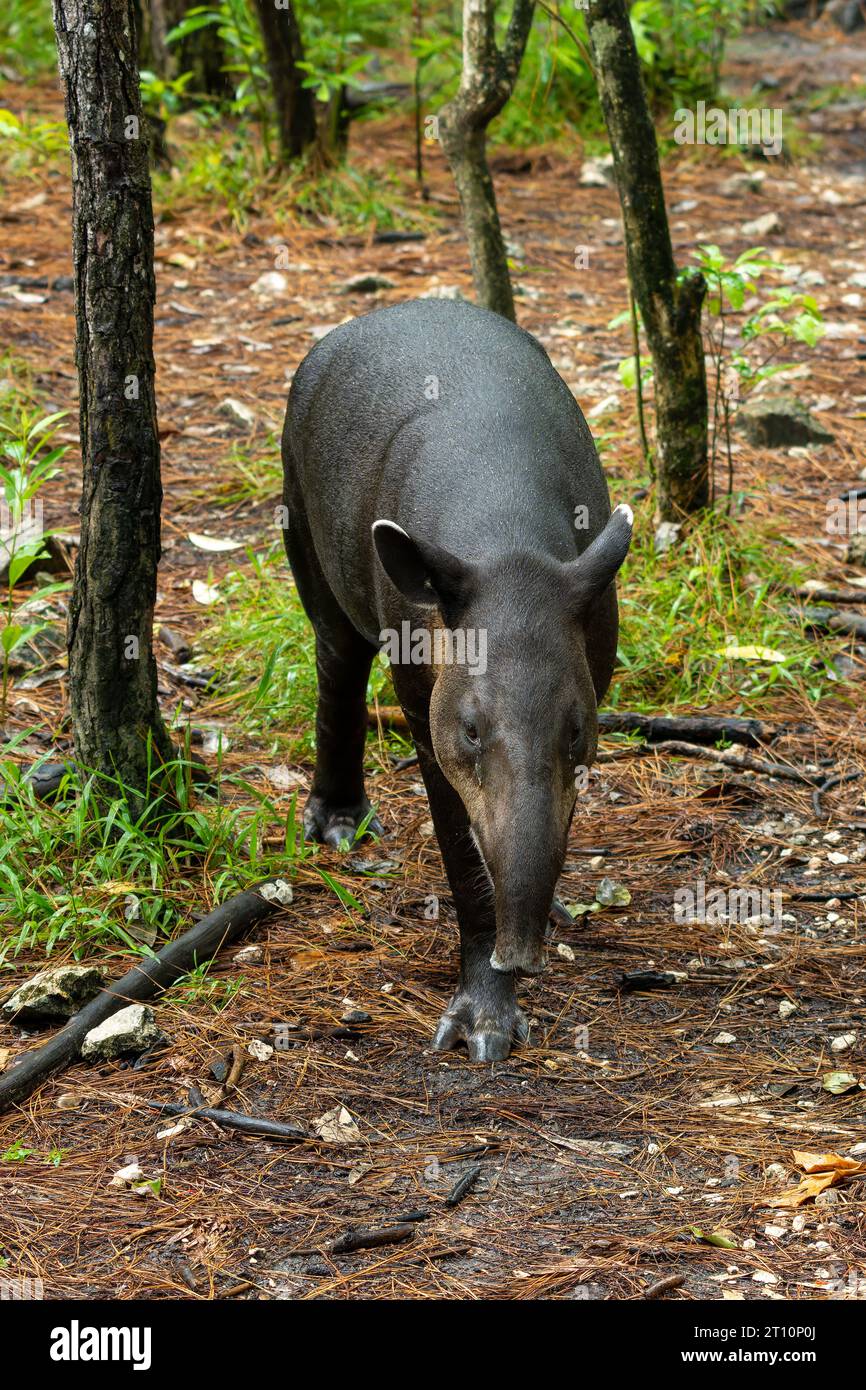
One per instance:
[(732, 757), (147, 979), (835, 620), (819, 595), (699, 728), (671, 1281), (229, 1119), (366, 1240), (835, 781)]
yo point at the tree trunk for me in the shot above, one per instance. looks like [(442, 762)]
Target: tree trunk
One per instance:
[(486, 83), (116, 721), (671, 312), (294, 104)]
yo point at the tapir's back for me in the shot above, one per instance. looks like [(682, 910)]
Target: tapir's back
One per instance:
[(449, 420)]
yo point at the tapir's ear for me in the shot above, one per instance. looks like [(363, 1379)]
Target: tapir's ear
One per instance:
[(591, 574), (422, 572)]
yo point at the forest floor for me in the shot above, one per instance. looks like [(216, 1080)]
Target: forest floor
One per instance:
[(633, 1138)]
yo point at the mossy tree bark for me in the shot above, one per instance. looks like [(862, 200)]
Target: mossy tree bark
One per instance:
[(671, 311), (487, 81), (116, 721), (294, 104)]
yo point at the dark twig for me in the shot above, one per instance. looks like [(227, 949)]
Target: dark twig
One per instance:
[(463, 1185), (229, 1119), (363, 1240), (836, 780)]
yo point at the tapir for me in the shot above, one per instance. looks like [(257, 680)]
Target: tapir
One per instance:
[(441, 482)]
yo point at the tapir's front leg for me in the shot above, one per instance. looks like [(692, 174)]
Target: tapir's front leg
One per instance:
[(483, 1012)]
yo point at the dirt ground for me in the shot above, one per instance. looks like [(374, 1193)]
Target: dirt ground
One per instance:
[(642, 1119)]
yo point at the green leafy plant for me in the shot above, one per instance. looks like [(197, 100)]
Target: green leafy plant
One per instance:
[(241, 38), (782, 315), (27, 37), (27, 144), (24, 471)]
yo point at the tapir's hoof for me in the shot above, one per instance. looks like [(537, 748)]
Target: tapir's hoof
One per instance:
[(333, 825), (488, 1035)]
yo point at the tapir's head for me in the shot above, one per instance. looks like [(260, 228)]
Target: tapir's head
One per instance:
[(513, 717)]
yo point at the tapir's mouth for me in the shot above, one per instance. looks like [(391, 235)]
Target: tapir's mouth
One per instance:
[(519, 959)]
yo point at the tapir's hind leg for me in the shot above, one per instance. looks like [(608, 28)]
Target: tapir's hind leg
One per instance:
[(337, 804)]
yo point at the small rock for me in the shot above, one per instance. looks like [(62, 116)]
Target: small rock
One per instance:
[(565, 951), (748, 182), (725, 1039), (132, 1029), (776, 1172), (237, 411), (356, 1016), (763, 226), (777, 422), (786, 1008), (262, 1051), (667, 535), (277, 892), (249, 955), (57, 993), (597, 173), (842, 1042), (133, 1172), (443, 292), (367, 283), (856, 552), (271, 283)]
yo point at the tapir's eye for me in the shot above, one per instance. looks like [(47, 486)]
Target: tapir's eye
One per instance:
[(470, 729)]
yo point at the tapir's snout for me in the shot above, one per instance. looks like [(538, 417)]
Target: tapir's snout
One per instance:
[(524, 862)]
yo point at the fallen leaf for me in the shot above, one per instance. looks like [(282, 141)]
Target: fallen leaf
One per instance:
[(213, 542), (752, 653), (826, 1163), (337, 1127), (612, 894), (796, 1196), (838, 1082), (724, 1239), (205, 593)]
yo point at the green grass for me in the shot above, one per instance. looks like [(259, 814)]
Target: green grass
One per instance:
[(69, 869), (715, 589), (678, 613)]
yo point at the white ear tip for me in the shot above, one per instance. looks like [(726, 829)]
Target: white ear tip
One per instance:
[(626, 511), (391, 525)]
